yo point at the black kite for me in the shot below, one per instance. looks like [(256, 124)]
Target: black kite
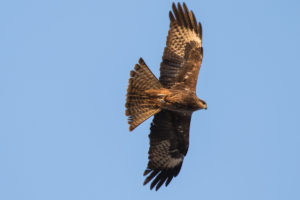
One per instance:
[(171, 99)]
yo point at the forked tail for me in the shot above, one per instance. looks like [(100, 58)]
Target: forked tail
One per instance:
[(138, 104)]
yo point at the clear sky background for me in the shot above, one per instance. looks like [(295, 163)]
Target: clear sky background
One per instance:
[(64, 69)]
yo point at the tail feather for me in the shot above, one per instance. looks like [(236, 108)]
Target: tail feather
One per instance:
[(138, 104)]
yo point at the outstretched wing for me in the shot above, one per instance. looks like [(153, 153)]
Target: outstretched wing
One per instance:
[(183, 52), (169, 142)]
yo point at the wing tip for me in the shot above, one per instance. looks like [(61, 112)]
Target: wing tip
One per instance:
[(185, 17), (159, 177), (171, 16)]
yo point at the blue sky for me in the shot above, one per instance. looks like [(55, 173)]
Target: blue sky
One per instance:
[(64, 69)]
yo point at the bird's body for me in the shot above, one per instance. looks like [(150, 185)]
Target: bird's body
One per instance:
[(172, 99), (180, 100)]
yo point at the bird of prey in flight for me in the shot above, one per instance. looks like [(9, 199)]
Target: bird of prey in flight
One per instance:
[(172, 99)]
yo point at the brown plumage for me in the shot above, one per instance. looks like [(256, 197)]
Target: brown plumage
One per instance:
[(171, 99)]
